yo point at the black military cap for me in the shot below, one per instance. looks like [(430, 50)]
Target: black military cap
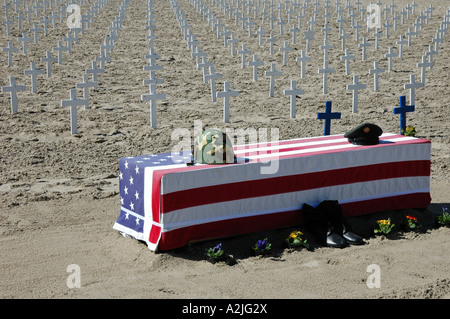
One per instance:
[(364, 134)]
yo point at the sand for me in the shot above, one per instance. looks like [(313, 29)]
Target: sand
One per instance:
[(59, 192)]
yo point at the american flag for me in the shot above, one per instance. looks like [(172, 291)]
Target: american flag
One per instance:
[(167, 204)]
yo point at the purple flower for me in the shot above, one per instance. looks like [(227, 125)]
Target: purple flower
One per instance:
[(217, 248), (261, 244)]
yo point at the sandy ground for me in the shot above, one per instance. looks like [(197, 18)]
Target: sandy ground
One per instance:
[(59, 192)]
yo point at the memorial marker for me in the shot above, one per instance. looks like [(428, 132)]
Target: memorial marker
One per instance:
[(73, 103), (272, 74), (293, 92), (412, 86), (355, 87), (376, 71), (303, 59), (13, 88), (347, 57), (33, 72), (402, 110), (328, 116), (48, 60), (226, 94), (255, 63)]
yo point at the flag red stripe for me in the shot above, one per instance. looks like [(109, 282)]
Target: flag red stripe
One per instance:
[(285, 184), (244, 225)]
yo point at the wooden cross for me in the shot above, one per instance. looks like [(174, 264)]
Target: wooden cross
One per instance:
[(402, 110), (328, 116), (355, 87), (293, 92), (255, 63), (376, 71), (73, 103), (10, 49), (390, 55), (347, 57), (33, 72), (13, 88), (232, 42), (226, 94), (343, 36), (243, 54), (260, 34), (272, 74), (412, 86), (309, 36), (35, 29), (205, 66), (294, 31), (48, 60), (377, 35)]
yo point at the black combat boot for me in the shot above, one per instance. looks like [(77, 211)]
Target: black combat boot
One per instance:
[(333, 211), (317, 223)]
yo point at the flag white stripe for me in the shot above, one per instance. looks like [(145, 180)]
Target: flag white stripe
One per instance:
[(292, 166), (294, 200)]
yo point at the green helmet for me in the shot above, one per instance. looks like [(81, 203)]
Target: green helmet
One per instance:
[(213, 147)]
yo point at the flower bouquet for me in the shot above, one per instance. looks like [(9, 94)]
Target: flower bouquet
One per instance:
[(384, 226), (261, 247), (444, 218), (295, 240)]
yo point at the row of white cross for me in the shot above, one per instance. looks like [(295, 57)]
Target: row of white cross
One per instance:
[(153, 97), (33, 72)]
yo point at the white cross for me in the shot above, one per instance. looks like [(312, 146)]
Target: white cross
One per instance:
[(377, 35), (13, 88), (271, 40), (33, 72), (272, 74), (343, 36), (375, 71), (243, 54), (303, 59), (59, 49), (430, 54), (24, 39), (409, 34), (355, 87), (255, 63), (49, 59), (73, 103), (347, 57), (85, 85), (285, 49), (294, 31), (400, 46), (260, 33), (232, 42), (10, 49), (390, 55), (153, 98), (423, 65), (226, 94), (412, 86), (293, 92), (213, 77), (94, 71), (309, 36), (205, 66), (35, 29), (363, 45)]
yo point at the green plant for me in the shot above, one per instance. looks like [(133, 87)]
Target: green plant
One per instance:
[(295, 239), (444, 218), (384, 226), (215, 252), (409, 131), (262, 246), (411, 221)]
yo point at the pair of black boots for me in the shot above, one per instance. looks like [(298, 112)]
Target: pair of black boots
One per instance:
[(327, 224)]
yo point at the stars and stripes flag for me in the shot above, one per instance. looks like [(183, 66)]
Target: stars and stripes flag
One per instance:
[(167, 204)]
